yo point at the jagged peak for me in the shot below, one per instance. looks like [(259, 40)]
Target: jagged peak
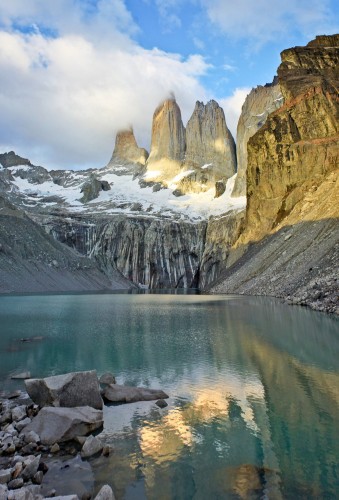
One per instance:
[(11, 159)]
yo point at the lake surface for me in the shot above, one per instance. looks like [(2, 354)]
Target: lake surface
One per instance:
[(253, 384)]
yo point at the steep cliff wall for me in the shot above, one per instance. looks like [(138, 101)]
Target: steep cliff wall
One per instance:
[(259, 103), (298, 147), (154, 252), (290, 243), (32, 261), (221, 234)]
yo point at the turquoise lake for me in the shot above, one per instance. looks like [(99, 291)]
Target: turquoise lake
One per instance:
[(253, 383)]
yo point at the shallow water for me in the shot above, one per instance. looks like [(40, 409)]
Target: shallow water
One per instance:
[(253, 385)]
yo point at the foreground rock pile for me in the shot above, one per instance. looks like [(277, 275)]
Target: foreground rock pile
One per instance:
[(69, 409)]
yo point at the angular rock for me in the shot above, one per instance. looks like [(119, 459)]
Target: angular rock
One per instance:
[(30, 436), (20, 425), (17, 470), (55, 448), (69, 390), (38, 477), (62, 424), (91, 446), (106, 493), (31, 469), (127, 394), (126, 148), (19, 413)]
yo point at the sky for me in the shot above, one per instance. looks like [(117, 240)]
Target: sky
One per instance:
[(74, 72)]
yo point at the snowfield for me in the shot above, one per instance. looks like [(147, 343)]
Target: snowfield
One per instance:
[(125, 196)]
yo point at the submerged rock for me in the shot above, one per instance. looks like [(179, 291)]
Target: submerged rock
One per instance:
[(161, 403), (69, 390), (22, 375), (126, 394), (62, 424)]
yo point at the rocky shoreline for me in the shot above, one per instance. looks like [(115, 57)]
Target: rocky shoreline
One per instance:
[(58, 417)]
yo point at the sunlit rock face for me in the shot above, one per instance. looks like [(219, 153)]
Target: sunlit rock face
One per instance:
[(127, 150), (168, 141), (259, 103), (210, 147), (293, 188), (298, 147)]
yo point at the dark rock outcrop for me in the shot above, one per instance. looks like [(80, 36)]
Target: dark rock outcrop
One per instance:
[(91, 189), (11, 159)]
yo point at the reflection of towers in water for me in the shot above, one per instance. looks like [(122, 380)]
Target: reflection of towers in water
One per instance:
[(298, 425)]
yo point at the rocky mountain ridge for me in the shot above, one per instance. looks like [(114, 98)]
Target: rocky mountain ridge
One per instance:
[(289, 244), (163, 231)]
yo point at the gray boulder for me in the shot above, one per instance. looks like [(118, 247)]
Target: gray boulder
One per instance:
[(69, 390), (19, 413), (126, 394), (31, 469), (5, 476), (105, 493), (91, 446), (62, 424)]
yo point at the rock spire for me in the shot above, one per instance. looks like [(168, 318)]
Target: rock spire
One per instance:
[(209, 142), (126, 148)]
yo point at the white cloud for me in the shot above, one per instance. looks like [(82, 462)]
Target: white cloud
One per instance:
[(232, 107), (63, 98), (265, 20)]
